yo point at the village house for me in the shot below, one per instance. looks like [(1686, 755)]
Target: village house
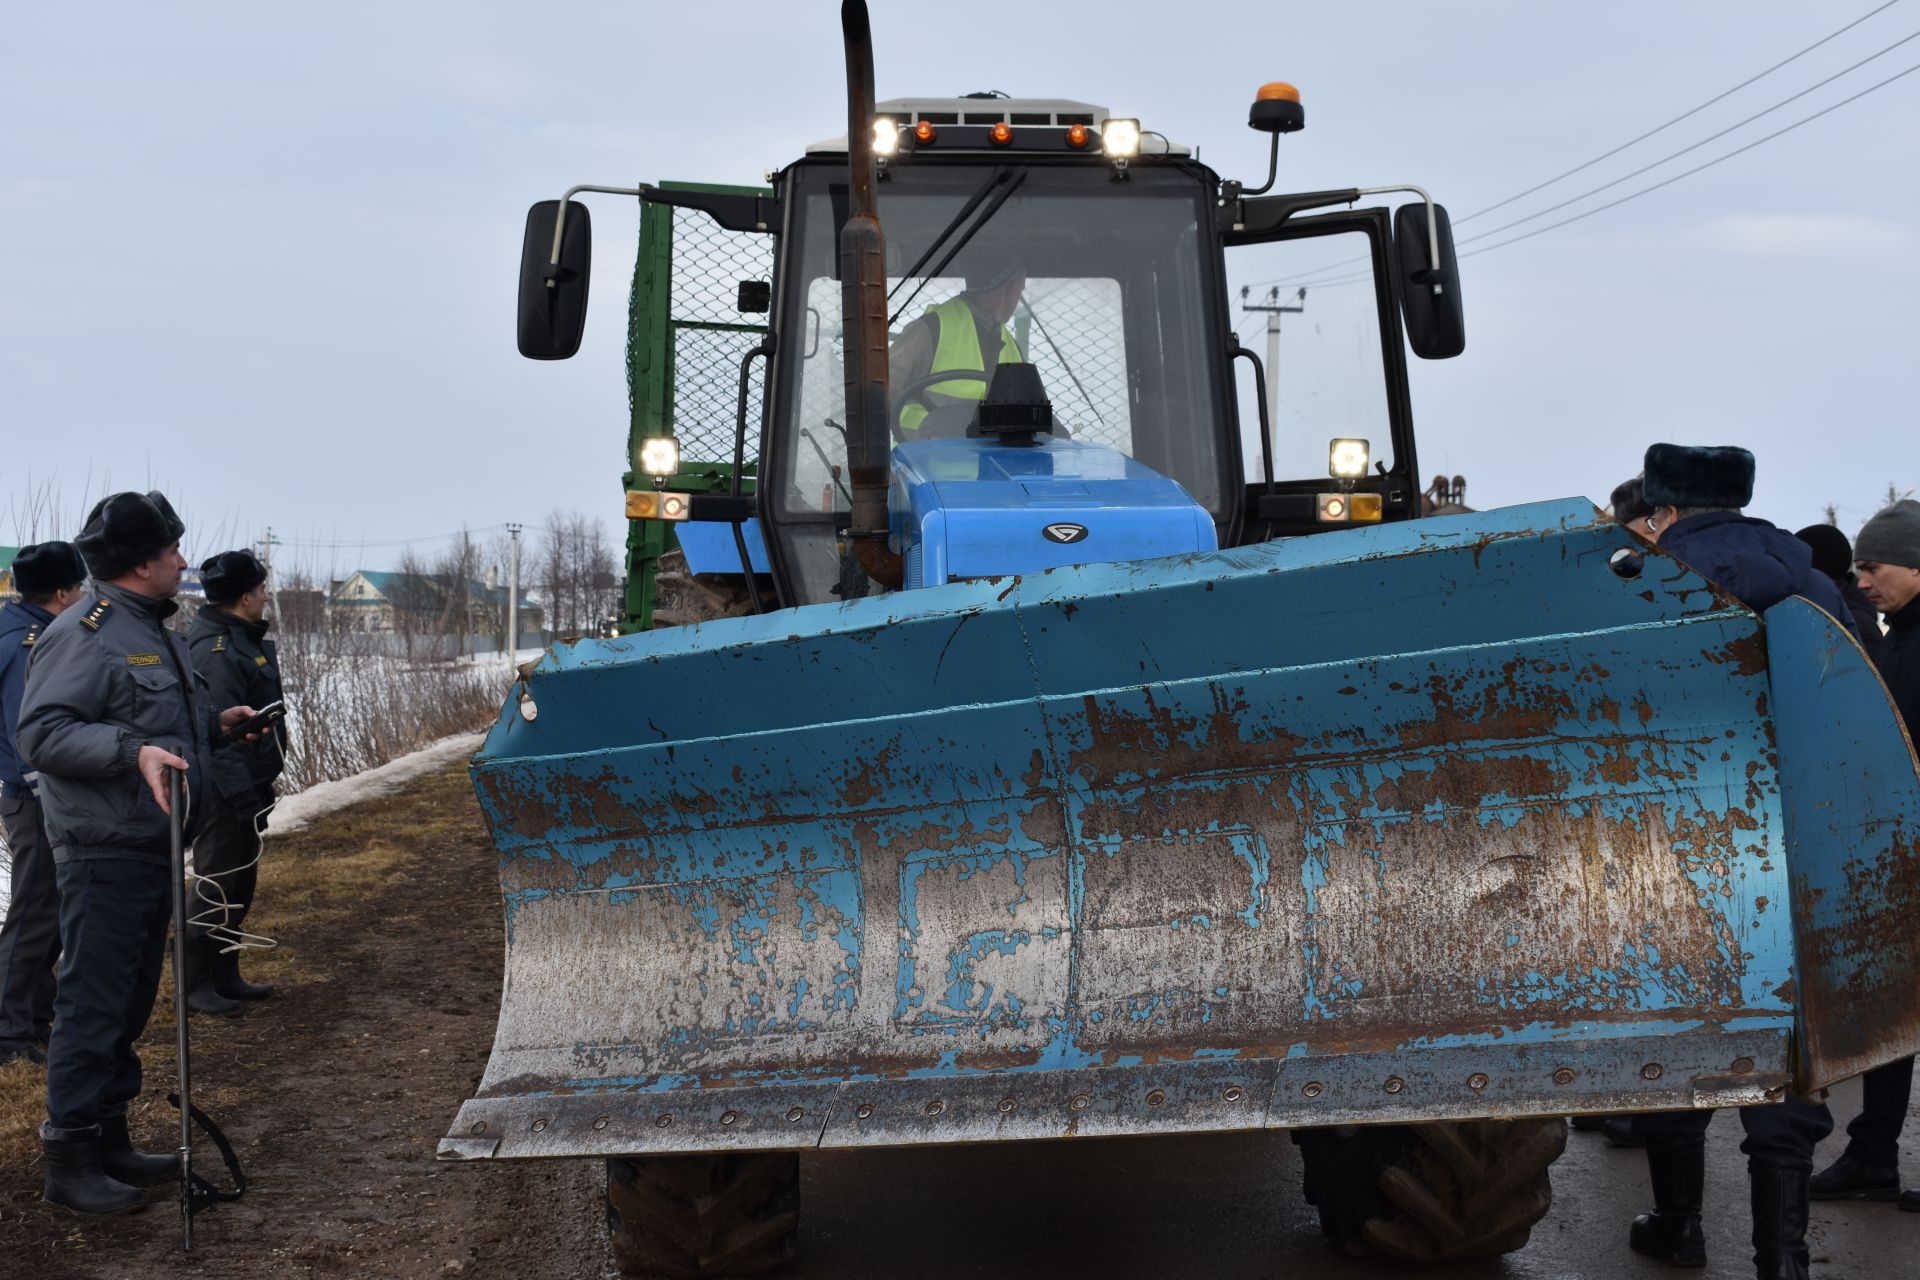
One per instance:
[(377, 600)]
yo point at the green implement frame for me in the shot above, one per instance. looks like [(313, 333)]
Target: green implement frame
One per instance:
[(684, 346)]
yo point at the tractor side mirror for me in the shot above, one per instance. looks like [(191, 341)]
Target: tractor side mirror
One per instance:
[(553, 297), (1429, 290)]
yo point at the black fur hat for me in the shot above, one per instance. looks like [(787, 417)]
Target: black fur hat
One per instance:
[(127, 529), (1684, 476), (230, 575), (47, 566), (1629, 501)]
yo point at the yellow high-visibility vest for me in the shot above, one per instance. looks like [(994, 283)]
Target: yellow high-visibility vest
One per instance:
[(959, 349)]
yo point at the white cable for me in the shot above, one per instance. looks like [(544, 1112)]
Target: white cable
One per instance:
[(212, 922)]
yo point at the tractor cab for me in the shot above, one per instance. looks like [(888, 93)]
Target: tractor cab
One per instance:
[(1096, 350)]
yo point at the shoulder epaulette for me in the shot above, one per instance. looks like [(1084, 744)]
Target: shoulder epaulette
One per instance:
[(33, 633), (220, 643), (92, 621)]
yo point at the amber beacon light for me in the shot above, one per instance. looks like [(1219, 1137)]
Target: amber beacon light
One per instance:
[(1276, 109)]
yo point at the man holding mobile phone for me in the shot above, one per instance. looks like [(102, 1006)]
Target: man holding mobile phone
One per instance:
[(111, 705), (232, 653)]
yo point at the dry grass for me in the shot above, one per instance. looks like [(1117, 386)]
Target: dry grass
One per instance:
[(310, 880)]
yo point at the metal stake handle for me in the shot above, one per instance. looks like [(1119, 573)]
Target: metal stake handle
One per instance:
[(180, 1008)]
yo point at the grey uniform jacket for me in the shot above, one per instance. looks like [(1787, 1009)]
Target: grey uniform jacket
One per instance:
[(241, 668), (107, 679)]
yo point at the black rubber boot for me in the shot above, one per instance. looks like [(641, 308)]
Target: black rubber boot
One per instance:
[(1779, 1220), (1677, 1168), (124, 1163), (228, 982), (203, 995), (75, 1179), (1849, 1179), (1910, 1200)]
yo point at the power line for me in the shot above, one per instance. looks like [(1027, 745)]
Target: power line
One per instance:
[(1667, 182), (1614, 204), (1694, 146), (1605, 155), (363, 543), (1308, 277)]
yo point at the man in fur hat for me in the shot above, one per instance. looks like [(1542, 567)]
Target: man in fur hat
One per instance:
[(49, 577), (232, 653), (1697, 496), (110, 707)]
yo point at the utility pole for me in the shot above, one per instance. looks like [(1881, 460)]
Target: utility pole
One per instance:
[(1274, 309), (513, 594), (267, 544)]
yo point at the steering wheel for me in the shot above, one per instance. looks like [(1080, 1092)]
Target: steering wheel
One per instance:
[(944, 414)]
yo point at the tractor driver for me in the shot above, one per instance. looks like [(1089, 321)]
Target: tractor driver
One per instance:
[(956, 336)]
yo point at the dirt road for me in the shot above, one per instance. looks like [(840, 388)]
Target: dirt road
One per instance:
[(337, 1090)]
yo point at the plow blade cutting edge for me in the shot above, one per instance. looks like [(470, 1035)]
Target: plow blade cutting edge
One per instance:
[(1428, 821)]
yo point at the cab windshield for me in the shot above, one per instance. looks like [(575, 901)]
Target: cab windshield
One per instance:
[(1114, 314)]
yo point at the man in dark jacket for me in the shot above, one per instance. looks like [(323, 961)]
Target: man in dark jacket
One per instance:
[(110, 708), (49, 576), (1887, 560), (1833, 556), (232, 653), (1697, 496)]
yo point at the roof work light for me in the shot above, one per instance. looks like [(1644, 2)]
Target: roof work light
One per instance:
[(1120, 138), (886, 136)]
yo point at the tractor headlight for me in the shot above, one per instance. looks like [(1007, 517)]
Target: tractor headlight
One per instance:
[(1347, 459), (1120, 138), (886, 136), (660, 456)]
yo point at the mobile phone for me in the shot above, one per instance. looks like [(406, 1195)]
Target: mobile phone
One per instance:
[(252, 724)]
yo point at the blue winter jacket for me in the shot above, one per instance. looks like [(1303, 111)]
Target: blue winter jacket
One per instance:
[(1753, 561), (21, 625)]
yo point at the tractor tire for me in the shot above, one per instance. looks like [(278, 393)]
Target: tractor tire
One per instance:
[(681, 598), (1432, 1192), (732, 1214)]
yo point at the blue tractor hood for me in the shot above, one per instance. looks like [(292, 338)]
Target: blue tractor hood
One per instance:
[(972, 508)]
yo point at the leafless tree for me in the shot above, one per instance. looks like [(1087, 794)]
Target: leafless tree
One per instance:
[(577, 576)]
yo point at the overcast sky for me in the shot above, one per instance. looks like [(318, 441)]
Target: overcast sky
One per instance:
[(264, 256)]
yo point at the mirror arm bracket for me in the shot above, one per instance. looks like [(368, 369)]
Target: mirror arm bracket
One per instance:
[(734, 212), (1258, 215), (1434, 276)]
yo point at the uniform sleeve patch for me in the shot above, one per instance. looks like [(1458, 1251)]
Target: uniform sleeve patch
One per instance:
[(260, 660), (143, 659)]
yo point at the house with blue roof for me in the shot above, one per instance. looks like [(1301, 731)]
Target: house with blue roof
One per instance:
[(380, 600)]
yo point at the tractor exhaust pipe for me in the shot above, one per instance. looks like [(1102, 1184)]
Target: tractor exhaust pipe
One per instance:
[(863, 310)]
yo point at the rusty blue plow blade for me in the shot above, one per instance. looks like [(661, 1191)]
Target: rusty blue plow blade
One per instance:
[(1434, 820)]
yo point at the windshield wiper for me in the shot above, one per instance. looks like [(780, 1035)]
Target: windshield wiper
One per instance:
[(986, 215), (973, 202)]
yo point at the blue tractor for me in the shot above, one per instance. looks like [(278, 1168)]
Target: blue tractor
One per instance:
[(1110, 750)]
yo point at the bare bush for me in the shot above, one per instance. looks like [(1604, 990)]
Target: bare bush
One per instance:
[(353, 707)]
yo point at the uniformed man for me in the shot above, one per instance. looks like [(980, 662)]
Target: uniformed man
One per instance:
[(232, 653), (1697, 498), (111, 707), (49, 576), (966, 334)]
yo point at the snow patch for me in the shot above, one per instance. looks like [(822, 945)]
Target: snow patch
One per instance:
[(297, 811)]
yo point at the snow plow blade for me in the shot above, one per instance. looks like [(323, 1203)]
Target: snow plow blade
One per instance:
[(1437, 820)]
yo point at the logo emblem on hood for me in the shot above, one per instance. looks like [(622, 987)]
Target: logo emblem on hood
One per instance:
[(1064, 532)]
